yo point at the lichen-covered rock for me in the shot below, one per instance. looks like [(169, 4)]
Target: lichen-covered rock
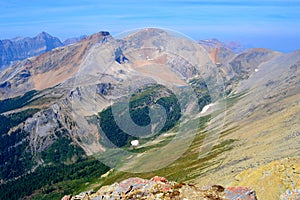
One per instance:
[(291, 195), (160, 188), (272, 180), (240, 193)]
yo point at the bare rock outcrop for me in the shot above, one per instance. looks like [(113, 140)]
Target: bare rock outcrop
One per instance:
[(161, 188)]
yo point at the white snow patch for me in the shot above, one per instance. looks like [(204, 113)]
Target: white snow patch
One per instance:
[(205, 108), (256, 70), (134, 143)]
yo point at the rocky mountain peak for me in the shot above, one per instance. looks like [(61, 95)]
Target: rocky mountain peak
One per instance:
[(97, 37), (44, 35), (147, 33), (21, 48), (56, 66)]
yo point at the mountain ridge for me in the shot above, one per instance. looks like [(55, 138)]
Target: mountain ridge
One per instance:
[(59, 101), (52, 66), (24, 47)]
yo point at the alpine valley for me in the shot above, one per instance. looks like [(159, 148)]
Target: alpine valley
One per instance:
[(96, 110)]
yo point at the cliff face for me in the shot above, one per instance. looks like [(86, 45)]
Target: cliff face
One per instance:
[(21, 48)]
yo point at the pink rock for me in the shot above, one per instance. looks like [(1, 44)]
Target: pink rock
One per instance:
[(159, 179), (166, 189), (67, 197), (131, 183), (240, 193)]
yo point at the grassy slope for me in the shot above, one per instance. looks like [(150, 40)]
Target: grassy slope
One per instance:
[(85, 174), (189, 166)]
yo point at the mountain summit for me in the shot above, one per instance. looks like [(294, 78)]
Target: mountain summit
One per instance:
[(21, 48)]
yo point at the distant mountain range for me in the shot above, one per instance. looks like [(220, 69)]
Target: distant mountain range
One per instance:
[(73, 40), (20, 48), (232, 45), (59, 113)]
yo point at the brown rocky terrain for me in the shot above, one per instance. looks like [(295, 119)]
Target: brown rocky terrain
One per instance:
[(237, 66), (252, 121), (160, 188), (47, 70)]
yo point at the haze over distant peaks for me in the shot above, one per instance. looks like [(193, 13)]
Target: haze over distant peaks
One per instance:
[(234, 46), (20, 48)]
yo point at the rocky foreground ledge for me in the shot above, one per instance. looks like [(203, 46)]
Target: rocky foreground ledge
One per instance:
[(161, 188)]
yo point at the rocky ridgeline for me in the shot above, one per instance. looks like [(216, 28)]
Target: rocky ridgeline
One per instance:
[(161, 188), (22, 48)]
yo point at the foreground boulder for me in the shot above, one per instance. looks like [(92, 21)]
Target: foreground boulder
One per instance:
[(161, 188)]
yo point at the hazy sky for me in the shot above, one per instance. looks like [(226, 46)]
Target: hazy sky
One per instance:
[(272, 24)]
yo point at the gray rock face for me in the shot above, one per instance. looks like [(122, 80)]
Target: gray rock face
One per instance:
[(21, 48)]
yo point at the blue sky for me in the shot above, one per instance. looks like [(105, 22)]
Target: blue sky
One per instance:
[(273, 24)]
